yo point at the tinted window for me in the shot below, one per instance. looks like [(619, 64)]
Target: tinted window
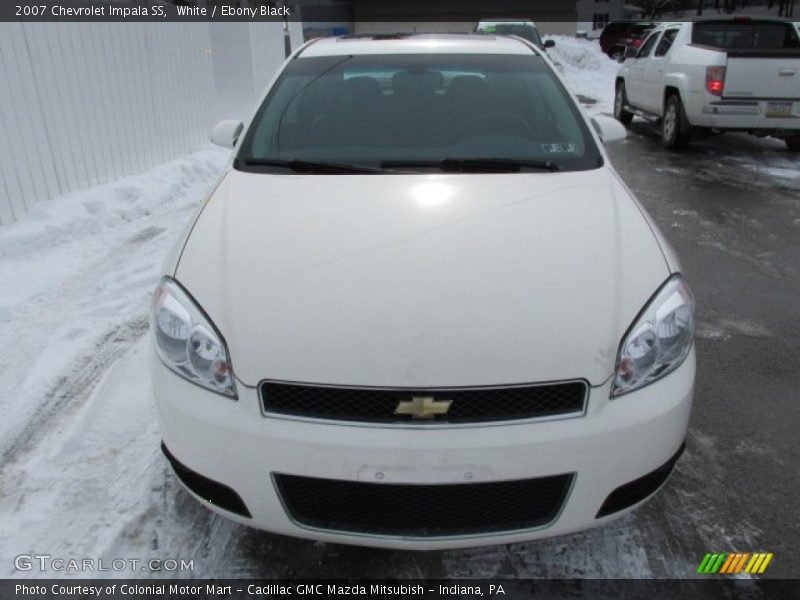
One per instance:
[(647, 47), (666, 42), (640, 29), (368, 109), (743, 35)]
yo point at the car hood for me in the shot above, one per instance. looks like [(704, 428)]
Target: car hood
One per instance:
[(422, 280)]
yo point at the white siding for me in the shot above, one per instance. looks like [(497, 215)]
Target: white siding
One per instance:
[(83, 103), (296, 34)]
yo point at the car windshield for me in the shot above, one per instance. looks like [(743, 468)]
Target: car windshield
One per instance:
[(410, 112)]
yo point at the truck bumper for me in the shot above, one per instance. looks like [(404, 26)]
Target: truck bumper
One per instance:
[(748, 115)]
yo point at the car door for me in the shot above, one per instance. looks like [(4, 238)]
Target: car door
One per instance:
[(635, 87), (653, 72)]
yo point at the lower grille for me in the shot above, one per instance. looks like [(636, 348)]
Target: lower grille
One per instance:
[(423, 510), (463, 405)]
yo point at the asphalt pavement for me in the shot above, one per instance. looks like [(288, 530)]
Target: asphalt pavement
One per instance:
[(736, 228)]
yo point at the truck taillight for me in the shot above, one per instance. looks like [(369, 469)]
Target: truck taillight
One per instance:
[(715, 80)]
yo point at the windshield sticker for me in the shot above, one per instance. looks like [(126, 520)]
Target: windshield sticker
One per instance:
[(559, 148)]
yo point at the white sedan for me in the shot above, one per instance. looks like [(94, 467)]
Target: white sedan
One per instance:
[(421, 309)]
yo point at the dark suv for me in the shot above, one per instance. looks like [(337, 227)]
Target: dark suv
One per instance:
[(618, 36)]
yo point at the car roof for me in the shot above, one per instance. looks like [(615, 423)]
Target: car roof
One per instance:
[(423, 43)]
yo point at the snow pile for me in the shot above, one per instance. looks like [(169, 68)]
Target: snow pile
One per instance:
[(77, 273), (588, 71), (79, 441), (70, 228)]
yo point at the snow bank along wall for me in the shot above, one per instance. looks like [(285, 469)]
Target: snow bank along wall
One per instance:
[(84, 103)]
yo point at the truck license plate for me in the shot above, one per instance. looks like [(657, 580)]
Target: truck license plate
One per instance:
[(779, 110)]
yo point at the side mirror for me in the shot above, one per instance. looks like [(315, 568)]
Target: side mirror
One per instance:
[(549, 43), (631, 52), (226, 133), (609, 129)]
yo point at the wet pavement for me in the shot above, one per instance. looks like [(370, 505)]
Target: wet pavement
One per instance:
[(731, 207)]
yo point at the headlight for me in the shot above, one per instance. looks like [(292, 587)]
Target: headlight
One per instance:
[(658, 341), (187, 342)]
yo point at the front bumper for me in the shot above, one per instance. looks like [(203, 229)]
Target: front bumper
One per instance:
[(232, 443)]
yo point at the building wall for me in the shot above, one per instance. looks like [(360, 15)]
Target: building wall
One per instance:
[(556, 27), (84, 103), (325, 17), (463, 10), (382, 27), (588, 10)]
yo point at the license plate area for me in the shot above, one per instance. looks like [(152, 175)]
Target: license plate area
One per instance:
[(779, 110), (425, 474)]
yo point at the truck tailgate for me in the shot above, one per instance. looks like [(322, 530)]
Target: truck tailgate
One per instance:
[(775, 76)]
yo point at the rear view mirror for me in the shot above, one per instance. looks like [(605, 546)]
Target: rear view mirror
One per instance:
[(226, 133), (609, 129), (549, 43)]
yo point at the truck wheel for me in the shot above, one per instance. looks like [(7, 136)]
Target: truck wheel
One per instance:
[(674, 126), (793, 143), (620, 100)]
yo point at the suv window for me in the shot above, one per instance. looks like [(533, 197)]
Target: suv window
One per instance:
[(745, 35), (647, 47), (666, 42), (372, 110)]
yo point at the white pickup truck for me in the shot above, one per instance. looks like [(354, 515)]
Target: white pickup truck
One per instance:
[(715, 75)]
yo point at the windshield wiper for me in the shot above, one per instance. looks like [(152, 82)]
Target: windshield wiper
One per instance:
[(476, 165), (309, 166), (495, 164)]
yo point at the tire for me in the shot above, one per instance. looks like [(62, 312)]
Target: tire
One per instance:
[(620, 101), (674, 125), (792, 143)]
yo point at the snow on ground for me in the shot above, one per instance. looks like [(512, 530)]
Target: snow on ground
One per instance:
[(782, 168), (77, 276), (588, 71)]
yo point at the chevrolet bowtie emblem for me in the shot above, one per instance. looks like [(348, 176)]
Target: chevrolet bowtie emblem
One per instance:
[(423, 407)]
